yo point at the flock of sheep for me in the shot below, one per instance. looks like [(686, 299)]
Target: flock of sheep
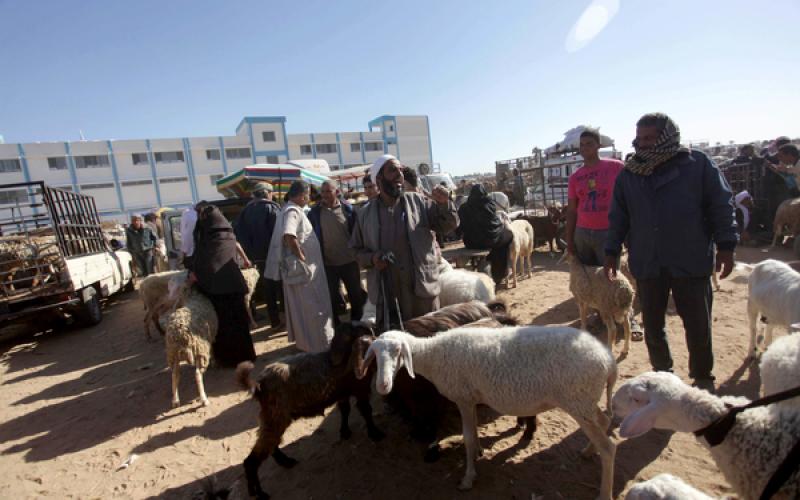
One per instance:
[(472, 352)]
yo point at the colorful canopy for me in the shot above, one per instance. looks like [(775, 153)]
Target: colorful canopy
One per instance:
[(238, 184)]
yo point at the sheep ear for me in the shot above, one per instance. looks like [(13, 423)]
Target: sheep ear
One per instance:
[(368, 357), (405, 352), (640, 421)]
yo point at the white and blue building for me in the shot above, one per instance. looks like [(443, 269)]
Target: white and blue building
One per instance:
[(132, 176)]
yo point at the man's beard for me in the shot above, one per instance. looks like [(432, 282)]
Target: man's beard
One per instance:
[(391, 189)]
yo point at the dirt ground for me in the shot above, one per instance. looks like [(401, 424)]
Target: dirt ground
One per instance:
[(76, 404)]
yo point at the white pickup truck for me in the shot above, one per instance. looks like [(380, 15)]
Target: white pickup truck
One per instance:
[(55, 260)]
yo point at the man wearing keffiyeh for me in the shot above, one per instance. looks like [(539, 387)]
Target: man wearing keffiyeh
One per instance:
[(672, 207)]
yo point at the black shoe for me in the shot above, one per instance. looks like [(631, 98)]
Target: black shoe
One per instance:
[(707, 384)]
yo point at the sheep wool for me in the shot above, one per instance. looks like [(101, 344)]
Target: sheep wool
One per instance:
[(773, 293), (521, 248), (780, 368), (665, 487)]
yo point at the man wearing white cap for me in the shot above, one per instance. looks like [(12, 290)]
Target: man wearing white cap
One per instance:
[(393, 238), (744, 206)]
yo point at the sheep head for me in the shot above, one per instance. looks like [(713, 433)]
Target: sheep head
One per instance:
[(654, 400), (390, 351), (349, 343)]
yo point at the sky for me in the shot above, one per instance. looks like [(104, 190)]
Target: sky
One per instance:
[(495, 78)]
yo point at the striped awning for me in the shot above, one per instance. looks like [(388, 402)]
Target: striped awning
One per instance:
[(239, 184)]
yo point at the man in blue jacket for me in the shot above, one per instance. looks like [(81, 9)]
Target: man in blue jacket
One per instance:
[(333, 223), (672, 206), (253, 229)]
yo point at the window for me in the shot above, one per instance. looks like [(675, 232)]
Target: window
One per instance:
[(305, 149), (391, 128), (212, 154), (98, 161), (169, 157), (140, 158), (103, 185), (57, 163), (373, 146), (10, 165), (273, 160), (326, 148), (268, 136), (137, 183), (170, 180), (355, 147), (214, 178), (237, 153), (13, 196)]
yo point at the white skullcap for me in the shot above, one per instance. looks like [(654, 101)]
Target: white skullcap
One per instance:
[(376, 167), (741, 197)]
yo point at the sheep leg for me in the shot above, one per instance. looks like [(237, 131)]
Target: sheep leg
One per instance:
[(582, 310), (626, 327), (176, 378), (201, 390), (283, 459), (344, 426), (752, 314), (768, 334), (611, 331), (269, 436), (595, 428), (469, 431), (365, 409)]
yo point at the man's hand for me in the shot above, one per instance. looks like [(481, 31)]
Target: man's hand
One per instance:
[(610, 267), (246, 263), (724, 263), (440, 195), (378, 262)]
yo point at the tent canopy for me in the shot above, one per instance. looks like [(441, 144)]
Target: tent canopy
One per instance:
[(240, 183)]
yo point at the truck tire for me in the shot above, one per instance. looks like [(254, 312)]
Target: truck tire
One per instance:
[(89, 313)]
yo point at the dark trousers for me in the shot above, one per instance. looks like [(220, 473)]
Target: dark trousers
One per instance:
[(350, 275), (270, 292), (498, 256), (693, 300), (144, 262)]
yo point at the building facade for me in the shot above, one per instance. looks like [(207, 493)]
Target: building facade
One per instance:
[(131, 176)]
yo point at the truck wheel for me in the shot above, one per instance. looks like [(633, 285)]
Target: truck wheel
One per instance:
[(89, 313)]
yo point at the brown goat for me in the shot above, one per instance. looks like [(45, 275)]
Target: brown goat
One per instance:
[(546, 228), (304, 385), (418, 398)]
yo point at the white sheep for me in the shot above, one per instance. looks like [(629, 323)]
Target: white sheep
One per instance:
[(521, 247), (665, 487), (613, 300), (773, 294), (518, 371), (787, 215), (190, 332), (461, 285), (780, 368), (750, 453), (154, 288)]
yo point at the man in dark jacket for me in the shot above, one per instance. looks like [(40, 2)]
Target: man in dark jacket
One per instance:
[(333, 223), (253, 230), (482, 229), (140, 241), (672, 206)]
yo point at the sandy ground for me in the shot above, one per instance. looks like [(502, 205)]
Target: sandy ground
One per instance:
[(76, 404)]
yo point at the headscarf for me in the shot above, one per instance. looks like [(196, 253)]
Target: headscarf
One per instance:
[(668, 145), (480, 225), (737, 200)]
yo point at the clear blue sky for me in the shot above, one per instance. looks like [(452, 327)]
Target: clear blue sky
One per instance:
[(495, 78)]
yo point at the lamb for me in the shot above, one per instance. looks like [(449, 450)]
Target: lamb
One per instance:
[(773, 294), (154, 288), (750, 453), (190, 332), (304, 385), (516, 371), (460, 285), (546, 228), (612, 299), (521, 247), (423, 403), (787, 215), (780, 368), (665, 487)]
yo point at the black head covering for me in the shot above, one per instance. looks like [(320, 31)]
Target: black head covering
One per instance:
[(480, 225)]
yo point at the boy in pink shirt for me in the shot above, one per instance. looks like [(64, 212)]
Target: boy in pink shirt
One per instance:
[(590, 193)]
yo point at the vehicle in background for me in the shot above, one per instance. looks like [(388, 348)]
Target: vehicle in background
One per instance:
[(55, 260)]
